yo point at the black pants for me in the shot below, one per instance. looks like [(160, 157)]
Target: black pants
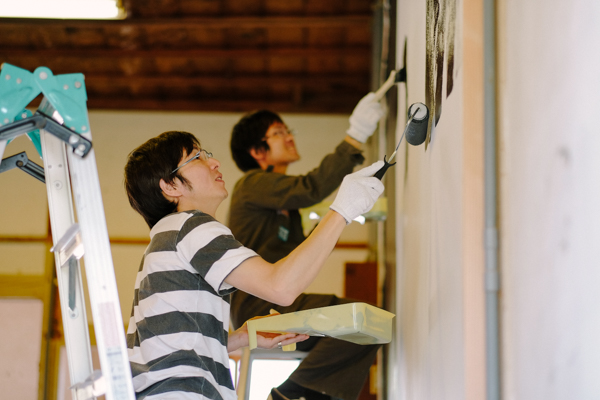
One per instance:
[(332, 366)]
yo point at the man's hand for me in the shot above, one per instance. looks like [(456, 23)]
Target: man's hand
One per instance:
[(265, 340), (268, 340), (358, 192), (364, 118)]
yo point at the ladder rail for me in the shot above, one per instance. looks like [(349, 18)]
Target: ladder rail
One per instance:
[(58, 187), (102, 286)]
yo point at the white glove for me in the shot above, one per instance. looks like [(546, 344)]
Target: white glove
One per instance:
[(364, 118), (358, 192)]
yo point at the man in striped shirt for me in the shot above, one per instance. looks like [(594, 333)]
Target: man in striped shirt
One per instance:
[(178, 336)]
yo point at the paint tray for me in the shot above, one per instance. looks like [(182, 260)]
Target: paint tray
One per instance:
[(358, 323)]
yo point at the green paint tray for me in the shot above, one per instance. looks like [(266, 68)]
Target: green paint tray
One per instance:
[(359, 323)]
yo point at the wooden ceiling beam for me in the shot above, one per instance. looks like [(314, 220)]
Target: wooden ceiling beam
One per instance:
[(190, 53), (184, 58), (341, 106), (230, 79), (336, 21)]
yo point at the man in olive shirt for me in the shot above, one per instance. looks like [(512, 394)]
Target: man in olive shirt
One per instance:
[(264, 216)]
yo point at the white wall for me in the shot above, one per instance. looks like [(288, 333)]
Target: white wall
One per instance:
[(438, 348), (429, 213), (20, 347), (549, 219), (550, 186)]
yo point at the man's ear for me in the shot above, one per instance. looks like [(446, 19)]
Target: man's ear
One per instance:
[(259, 154), (170, 190)]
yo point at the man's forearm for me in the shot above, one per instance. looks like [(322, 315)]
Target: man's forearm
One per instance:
[(296, 271), (282, 282)]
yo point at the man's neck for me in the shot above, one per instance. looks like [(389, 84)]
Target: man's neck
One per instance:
[(280, 169), (212, 211)]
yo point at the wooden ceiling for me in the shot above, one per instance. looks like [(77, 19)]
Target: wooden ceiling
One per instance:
[(208, 55)]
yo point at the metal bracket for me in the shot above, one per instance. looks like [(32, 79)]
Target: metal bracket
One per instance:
[(24, 164), (81, 146), (66, 93), (34, 136)]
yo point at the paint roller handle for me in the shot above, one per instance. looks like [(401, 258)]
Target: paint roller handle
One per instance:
[(379, 174), (391, 80)]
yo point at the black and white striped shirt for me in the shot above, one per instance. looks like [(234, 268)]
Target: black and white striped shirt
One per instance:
[(178, 330)]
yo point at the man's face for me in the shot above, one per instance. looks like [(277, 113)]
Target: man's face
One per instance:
[(202, 172), (282, 148)]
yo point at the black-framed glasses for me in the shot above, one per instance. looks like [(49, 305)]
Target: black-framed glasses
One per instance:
[(201, 154), (284, 132)]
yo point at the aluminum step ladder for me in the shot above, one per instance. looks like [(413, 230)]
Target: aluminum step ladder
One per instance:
[(61, 133)]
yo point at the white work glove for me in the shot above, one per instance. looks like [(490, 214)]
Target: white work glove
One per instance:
[(364, 118), (358, 192)]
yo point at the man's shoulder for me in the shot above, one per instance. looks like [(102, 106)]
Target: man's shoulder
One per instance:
[(253, 173), (250, 178), (179, 220)]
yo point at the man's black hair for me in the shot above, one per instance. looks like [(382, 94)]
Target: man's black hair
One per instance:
[(248, 134), (151, 162)]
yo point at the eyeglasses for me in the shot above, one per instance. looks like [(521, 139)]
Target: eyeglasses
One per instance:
[(202, 154), (282, 133)]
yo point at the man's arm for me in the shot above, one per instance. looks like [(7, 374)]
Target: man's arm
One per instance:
[(266, 340), (284, 280), (353, 142), (279, 191)]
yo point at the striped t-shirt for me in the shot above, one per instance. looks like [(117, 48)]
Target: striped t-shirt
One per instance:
[(178, 330)]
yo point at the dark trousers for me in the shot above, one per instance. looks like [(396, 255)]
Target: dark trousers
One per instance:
[(332, 366)]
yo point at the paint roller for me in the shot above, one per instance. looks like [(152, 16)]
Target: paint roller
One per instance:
[(415, 132), (416, 126)]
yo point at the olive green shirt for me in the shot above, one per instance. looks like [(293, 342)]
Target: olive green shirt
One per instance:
[(263, 214)]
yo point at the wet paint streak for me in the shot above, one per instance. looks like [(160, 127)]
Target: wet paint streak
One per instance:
[(451, 38), (439, 60), (430, 36), (440, 53)]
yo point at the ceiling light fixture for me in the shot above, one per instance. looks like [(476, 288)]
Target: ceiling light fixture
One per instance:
[(62, 9)]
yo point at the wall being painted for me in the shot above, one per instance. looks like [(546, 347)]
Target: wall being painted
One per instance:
[(438, 352), (550, 198), (549, 215)]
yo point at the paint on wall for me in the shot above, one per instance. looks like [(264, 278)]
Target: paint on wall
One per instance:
[(440, 57)]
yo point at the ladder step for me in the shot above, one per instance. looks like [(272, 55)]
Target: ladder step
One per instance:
[(92, 387), (69, 245)]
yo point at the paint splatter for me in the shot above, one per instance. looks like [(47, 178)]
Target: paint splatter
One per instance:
[(451, 38), (440, 47)]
